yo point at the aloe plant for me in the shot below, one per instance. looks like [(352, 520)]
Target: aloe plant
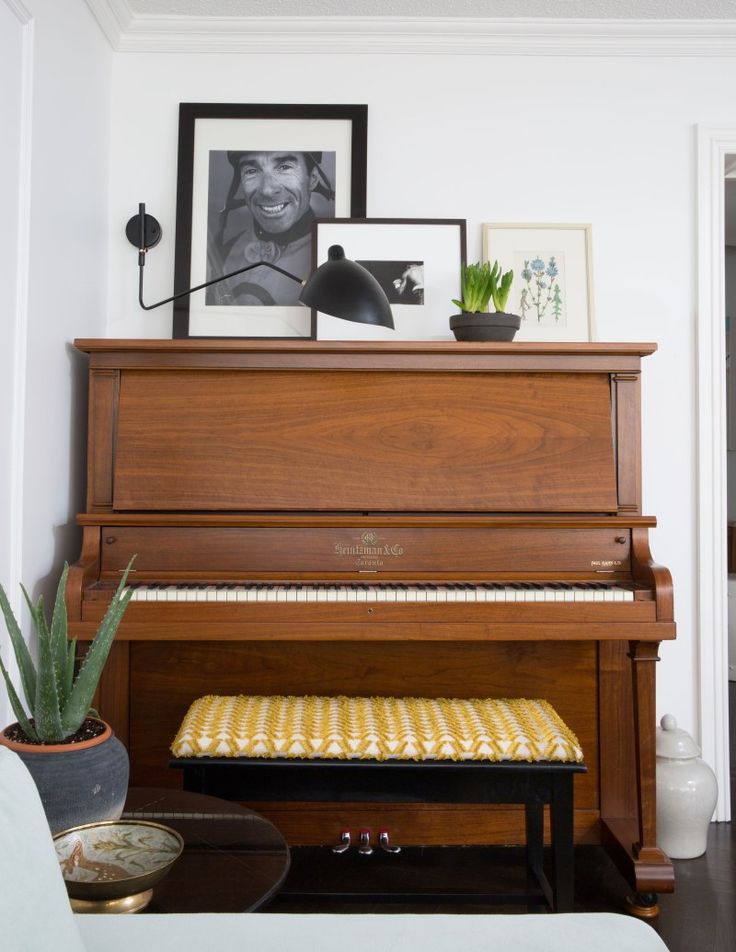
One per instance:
[(58, 702), (482, 283)]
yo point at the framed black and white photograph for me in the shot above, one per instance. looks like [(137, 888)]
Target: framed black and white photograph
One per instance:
[(416, 261), (252, 179)]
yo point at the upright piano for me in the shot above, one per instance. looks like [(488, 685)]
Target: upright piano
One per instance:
[(435, 519)]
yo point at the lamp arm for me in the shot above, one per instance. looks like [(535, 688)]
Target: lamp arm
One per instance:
[(136, 232), (181, 294)]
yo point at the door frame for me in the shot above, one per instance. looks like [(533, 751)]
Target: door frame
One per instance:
[(713, 145)]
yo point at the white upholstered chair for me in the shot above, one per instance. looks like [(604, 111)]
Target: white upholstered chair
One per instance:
[(35, 915)]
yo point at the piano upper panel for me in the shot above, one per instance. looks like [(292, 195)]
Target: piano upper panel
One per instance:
[(288, 440), (249, 426)]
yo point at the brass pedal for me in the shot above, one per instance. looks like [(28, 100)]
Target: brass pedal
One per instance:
[(344, 843), (383, 842), (365, 848)]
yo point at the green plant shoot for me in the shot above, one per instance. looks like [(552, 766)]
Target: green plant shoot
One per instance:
[(482, 283)]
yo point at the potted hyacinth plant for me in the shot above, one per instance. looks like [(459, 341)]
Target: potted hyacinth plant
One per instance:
[(79, 766), (482, 283)]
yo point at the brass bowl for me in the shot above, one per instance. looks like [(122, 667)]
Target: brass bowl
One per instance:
[(112, 866)]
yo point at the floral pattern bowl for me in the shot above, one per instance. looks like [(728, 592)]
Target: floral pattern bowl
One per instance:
[(113, 865)]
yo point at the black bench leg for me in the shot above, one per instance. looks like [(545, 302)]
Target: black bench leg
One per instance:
[(534, 845), (561, 817)]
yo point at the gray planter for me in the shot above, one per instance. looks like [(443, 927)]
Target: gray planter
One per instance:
[(498, 326), (78, 783)]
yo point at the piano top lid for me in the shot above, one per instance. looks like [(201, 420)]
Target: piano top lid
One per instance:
[(236, 345)]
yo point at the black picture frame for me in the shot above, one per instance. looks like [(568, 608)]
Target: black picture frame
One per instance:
[(208, 131), (391, 248)]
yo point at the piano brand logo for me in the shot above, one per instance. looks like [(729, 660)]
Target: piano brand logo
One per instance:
[(369, 551)]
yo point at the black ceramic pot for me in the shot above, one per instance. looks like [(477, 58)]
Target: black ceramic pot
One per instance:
[(78, 783), (498, 326)]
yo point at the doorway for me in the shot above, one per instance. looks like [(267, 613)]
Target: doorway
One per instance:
[(714, 145)]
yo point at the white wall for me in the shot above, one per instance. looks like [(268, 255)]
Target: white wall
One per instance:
[(541, 139), (62, 240)]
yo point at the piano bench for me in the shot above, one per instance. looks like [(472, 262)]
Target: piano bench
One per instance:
[(416, 750)]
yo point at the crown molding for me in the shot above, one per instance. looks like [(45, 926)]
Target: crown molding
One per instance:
[(129, 33), (114, 17), (20, 11)]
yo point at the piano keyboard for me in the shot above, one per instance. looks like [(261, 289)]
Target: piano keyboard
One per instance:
[(387, 592)]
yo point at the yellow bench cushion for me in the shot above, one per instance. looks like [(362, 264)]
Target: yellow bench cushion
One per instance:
[(376, 728)]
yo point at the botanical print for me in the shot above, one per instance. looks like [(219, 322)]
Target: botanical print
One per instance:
[(541, 287)]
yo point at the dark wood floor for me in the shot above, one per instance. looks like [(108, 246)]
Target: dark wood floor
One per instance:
[(699, 917)]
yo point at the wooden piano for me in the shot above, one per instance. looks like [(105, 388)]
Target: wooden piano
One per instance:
[(437, 519)]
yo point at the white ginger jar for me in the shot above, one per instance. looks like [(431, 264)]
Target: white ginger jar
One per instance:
[(686, 793)]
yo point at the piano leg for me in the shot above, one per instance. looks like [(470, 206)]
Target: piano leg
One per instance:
[(112, 699), (629, 824), (643, 654)]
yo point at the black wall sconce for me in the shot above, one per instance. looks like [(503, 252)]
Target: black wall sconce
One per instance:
[(339, 287)]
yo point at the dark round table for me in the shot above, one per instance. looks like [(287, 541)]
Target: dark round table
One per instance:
[(234, 860)]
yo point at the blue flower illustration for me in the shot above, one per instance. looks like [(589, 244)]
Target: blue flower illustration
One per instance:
[(542, 295)]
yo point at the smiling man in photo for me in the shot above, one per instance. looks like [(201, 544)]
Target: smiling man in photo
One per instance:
[(267, 216)]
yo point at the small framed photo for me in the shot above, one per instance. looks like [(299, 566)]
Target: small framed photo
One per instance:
[(552, 290), (252, 179), (416, 261)]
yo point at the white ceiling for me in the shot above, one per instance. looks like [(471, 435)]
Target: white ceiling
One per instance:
[(555, 9)]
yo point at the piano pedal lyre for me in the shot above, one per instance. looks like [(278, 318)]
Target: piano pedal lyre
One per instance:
[(344, 845)]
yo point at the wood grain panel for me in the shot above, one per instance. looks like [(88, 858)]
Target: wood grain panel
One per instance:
[(112, 698), (314, 824), (103, 399), (287, 440), (244, 552)]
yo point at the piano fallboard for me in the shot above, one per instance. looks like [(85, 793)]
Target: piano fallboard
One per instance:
[(389, 551)]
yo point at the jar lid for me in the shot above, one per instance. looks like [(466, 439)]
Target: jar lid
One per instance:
[(674, 743)]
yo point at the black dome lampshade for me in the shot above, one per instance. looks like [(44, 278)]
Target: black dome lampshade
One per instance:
[(345, 289)]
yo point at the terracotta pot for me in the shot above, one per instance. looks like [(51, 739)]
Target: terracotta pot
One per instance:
[(78, 783), (497, 326)]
